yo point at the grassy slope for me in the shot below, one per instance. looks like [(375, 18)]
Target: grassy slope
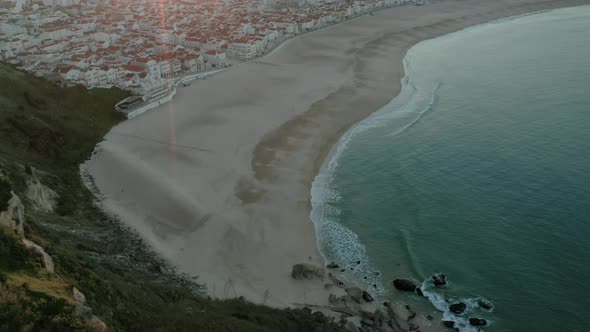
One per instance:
[(54, 130)]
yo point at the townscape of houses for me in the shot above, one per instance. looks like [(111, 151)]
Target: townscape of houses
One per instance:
[(139, 45)]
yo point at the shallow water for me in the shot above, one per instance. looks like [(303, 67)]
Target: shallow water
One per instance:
[(480, 169)]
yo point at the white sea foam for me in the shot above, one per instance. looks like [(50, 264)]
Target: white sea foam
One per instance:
[(442, 303), (335, 241)]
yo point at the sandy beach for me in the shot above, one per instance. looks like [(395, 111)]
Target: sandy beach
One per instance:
[(218, 180)]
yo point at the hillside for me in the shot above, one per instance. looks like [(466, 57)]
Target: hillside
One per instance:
[(95, 273)]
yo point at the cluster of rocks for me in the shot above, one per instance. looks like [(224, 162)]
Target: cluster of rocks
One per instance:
[(458, 308), (358, 309), (362, 314), (392, 317), (351, 266)]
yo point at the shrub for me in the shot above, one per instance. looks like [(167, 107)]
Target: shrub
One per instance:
[(13, 255), (5, 189)]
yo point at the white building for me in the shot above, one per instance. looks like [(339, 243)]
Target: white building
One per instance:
[(242, 49), (165, 67), (153, 68), (114, 74), (215, 58)]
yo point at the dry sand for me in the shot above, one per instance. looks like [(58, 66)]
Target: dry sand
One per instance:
[(218, 180)]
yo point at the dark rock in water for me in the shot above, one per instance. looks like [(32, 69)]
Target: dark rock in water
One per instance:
[(332, 265), (419, 291), (374, 285), (367, 297), (478, 322), (448, 323), (358, 262), (365, 277), (458, 308), (404, 285), (386, 304), (342, 270), (429, 317), (439, 279), (485, 304)]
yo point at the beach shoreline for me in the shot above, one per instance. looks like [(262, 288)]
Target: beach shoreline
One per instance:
[(219, 180)]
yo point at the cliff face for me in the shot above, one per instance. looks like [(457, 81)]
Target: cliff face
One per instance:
[(28, 272), (13, 216), (41, 197)]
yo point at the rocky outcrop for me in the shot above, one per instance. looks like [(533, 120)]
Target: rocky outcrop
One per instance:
[(400, 315), (344, 302), (419, 291), (368, 317), (458, 308), (352, 326), (335, 280), (404, 285), (485, 304), (82, 310), (478, 322), (307, 271), (47, 260), (367, 297), (14, 218), (332, 265), (78, 296), (41, 197), (380, 317), (448, 323), (355, 293), (14, 215), (439, 279)]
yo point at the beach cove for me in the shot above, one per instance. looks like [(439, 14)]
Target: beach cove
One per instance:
[(218, 180), (477, 169)]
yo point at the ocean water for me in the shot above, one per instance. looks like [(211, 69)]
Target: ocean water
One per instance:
[(480, 169)]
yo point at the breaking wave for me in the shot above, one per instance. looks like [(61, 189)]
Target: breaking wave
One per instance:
[(335, 241)]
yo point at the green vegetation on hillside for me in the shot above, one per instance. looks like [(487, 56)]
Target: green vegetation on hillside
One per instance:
[(5, 189), (49, 131), (28, 296)]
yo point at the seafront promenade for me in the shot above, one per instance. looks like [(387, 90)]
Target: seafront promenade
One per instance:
[(135, 105)]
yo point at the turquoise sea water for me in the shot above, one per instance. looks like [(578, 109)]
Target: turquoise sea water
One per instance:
[(480, 169)]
